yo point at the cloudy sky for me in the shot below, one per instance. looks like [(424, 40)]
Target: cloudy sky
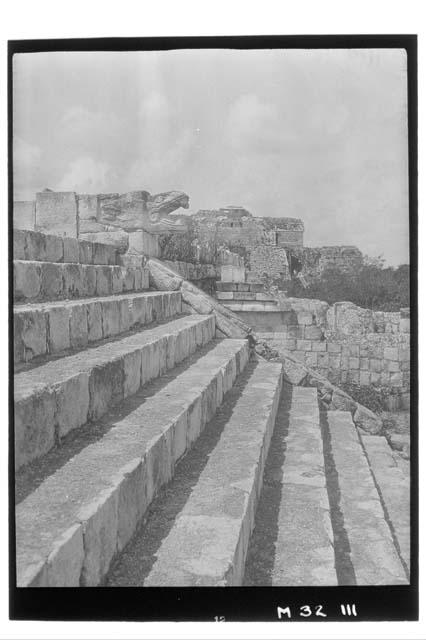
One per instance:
[(319, 135)]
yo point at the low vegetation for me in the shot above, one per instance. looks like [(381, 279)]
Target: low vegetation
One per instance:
[(372, 286)]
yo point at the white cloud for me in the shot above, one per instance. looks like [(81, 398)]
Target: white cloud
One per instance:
[(86, 175), (25, 155)]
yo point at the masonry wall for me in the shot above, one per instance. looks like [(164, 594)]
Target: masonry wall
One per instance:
[(376, 354), (269, 262)]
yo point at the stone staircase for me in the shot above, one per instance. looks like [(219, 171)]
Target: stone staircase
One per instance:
[(149, 452)]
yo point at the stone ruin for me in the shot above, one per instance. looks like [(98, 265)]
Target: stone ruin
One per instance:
[(130, 221)]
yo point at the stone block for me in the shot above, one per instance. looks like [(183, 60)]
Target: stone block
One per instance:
[(404, 354), (311, 359), (363, 364), (128, 278), (353, 376), (54, 249), (294, 373), (88, 272), (125, 315), (72, 280), (101, 253), (353, 363), (132, 501), (289, 344), (51, 280), (262, 297), (319, 346), (231, 273), (313, 332), (103, 281), (334, 347), (405, 366), (304, 345), (256, 287), (245, 295), (323, 359), (304, 317), (72, 401), (244, 286), (71, 250), (85, 251), (391, 367), (56, 213), (26, 280), (335, 360), (404, 325), (390, 353), (132, 373), (24, 214), (32, 328), (78, 326), (94, 321), (299, 355), (367, 420), (385, 378), (117, 280), (105, 387), (34, 425), (100, 523), (145, 243), (65, 562), (364, 378), (59, 329), (225, 295), (19, 242), (110, 318), (396, 379), (376, 365), (374, 377)]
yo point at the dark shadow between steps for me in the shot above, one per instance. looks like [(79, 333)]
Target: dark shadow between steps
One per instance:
[(137, 559), (29, 477), (261, 551), (342, 549)]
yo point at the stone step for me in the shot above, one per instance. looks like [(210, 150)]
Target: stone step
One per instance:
[(373, 554), (71, 526), (47, 328), (33, 245), (208, 541), (245, 296), (394, 490), (63, 394), (293, 533), (37, 281)]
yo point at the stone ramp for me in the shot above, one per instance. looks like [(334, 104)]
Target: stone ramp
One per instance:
[(73, 524), (373, 554), (64, 394), (42, 329), (394, 490), (292, 544), (207, 542)]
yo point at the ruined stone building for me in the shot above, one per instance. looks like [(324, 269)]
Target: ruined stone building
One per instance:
[(272, 247)]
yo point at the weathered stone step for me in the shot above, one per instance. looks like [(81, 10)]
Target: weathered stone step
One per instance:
[(61, 395), (72, 525), (394, 490), (292, 544), (33, 245), (51, 327), (373, 554), (37, 281), (208, 541)]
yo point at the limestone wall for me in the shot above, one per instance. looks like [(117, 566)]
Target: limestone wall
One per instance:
[(347, 344), (269, 263)]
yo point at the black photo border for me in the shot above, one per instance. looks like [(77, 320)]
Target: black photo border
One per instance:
[(391, 603)]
